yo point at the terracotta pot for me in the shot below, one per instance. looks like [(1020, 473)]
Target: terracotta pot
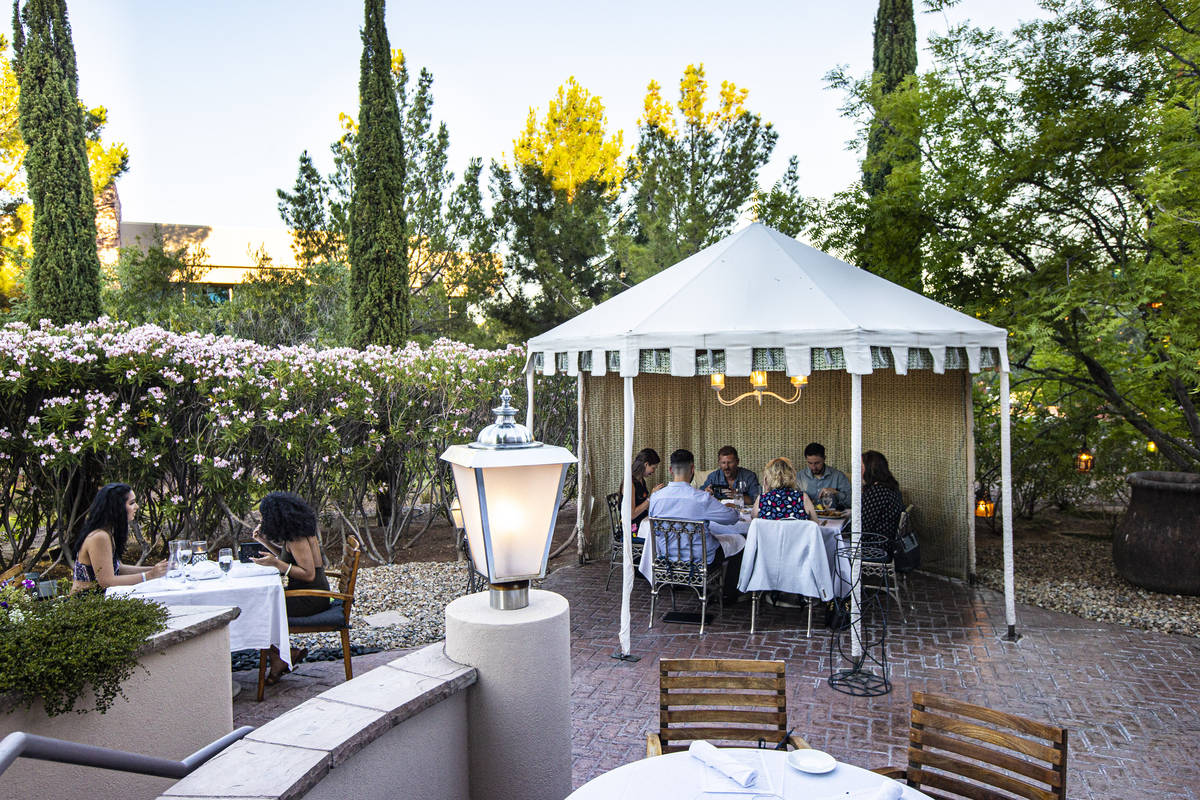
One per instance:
[(1157, 545)]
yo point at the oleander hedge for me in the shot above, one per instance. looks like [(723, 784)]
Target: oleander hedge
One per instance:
[(202, 426)]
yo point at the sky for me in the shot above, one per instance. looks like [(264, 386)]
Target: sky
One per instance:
[(216, 100)]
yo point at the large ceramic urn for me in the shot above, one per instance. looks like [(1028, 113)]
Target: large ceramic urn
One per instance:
[(1157, 545)]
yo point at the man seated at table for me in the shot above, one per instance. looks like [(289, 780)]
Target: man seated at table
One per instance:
[(680, 500), (821, 482), (729, 477)]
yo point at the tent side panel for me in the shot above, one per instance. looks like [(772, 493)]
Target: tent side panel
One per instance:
[(603, 399)]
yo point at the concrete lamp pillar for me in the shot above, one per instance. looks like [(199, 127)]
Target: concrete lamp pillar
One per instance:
[(519, 710)]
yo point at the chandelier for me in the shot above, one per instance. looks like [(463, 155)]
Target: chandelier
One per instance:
[(758, 388)]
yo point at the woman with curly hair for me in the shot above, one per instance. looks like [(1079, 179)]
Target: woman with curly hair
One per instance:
[(289, 533), (101, 540)]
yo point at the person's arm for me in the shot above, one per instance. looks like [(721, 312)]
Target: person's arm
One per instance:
[(716, 511), (809, 508), (753, 490), (709, 483), (304, 567), (643, 506), (257, 536), (842, 484), (98, 546)]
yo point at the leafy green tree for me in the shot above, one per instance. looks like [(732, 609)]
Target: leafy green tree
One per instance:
[(285, 306), (784, 207), (892, 233), (305, 210), (1059, 184), (377, 247), (692, 176), (157, 285), (63, 282), (553, 212)]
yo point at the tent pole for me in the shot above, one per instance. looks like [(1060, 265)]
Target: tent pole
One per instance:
[(970, 413), (1010, 605), (856, 636), (583, 498), (529, 393), (626, 517)]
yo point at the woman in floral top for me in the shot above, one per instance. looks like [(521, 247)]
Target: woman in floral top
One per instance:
[(782, 498)]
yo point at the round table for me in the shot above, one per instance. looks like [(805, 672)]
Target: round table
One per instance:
[(678, 776)]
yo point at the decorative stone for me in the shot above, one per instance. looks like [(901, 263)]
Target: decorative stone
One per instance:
[(385, 618)]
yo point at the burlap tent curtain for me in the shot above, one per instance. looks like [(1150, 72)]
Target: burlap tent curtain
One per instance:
[(760, 300)]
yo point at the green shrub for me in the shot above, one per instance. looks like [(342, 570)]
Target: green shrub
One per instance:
[(55, 650)]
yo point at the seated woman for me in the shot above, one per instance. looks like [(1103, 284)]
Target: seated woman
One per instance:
[(102, 539), (882, 504), (644, 464), (782, 497), (289, 532)]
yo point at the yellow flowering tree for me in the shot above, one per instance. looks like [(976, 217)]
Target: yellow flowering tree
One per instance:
[(694, 172), (553, 210)]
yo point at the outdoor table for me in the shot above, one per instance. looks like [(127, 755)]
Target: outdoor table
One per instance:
[(263, 618), (679, 776)]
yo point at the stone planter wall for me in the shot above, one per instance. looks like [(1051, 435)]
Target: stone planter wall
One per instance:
[(181, 702), (1158, 543)]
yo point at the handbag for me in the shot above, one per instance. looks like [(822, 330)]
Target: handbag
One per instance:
[(908, 551)]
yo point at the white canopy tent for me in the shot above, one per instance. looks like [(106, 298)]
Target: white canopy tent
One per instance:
[(759, 290)]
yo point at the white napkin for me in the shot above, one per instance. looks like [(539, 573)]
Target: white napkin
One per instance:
[(888, 790), (725, 764), (206, 570)]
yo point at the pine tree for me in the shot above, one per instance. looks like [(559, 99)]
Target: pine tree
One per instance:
[(377, 249), (893, 231), (63, 281)]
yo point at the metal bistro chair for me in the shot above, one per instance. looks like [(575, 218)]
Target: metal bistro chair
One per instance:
[(618, 539), (687, 539), (728, 700), (988, 755), (885, 571)]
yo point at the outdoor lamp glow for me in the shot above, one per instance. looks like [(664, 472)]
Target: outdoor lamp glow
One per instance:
[(456, 514), (1151, 446), (1085, 461), (717, 380), (799, 381), (758, 379), (985, 508), (509, 487)]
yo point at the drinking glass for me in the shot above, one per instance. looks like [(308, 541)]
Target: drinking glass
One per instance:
[(199, 551), (225, 559), (185, 558), (175, 559)]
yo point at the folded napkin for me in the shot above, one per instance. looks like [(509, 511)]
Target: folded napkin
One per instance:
[(726, 764), (889, 790), (205, 570)]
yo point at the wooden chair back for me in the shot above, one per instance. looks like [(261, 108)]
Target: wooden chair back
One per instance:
[(348, 575), (721, 700), (975, 752), (15, 571)]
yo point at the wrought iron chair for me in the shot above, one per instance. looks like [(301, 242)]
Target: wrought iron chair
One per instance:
[(618, 539), (682, 561), (335, 619), (885, 571), (989, 755), (731, 700)]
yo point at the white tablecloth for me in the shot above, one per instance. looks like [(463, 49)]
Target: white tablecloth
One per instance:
[(732, 539), (263, 621), (787, 555), (678, 776)]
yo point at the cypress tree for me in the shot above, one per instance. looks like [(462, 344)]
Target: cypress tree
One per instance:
[(377, 247), (63, 282), (893, 229)]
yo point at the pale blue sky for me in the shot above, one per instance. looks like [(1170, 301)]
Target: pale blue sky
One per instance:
[(217, 99)]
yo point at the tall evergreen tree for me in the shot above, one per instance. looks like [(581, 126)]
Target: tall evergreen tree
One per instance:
[(891, 240), (377, 248), (63, 281)]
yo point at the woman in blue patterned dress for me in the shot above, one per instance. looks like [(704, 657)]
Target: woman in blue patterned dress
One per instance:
[(782, 497)]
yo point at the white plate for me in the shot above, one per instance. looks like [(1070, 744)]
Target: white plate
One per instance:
[(814, 761)]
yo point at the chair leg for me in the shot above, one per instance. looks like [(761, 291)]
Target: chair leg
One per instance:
[(653, 597), (611, 566), (262, 673), (703, 609), (346, 653), (753, 609), (809, 634)]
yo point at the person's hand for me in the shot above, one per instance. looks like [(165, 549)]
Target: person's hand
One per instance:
[(656, 488), (827, 492), (267, 560), (157, 571), (257, 536)]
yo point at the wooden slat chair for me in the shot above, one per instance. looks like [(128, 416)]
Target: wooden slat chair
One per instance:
[(736, 701), (335, 619), (964, 750), (618, 539)]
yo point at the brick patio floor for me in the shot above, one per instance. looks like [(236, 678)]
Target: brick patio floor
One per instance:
[(1130, 699)]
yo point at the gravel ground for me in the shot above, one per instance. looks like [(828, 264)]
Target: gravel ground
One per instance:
[(1075, 575), (420, 591)]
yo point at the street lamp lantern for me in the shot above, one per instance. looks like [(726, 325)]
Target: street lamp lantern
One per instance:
[(509, 487)]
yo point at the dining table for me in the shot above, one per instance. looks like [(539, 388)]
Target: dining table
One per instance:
[(680, 776), (253, 588)]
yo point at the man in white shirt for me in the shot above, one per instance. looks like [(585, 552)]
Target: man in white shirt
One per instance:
[(680, 500)]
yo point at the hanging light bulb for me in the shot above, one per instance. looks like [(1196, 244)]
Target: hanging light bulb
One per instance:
[(1085, 460), (1151, 446)]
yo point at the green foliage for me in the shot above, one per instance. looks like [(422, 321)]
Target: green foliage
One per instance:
[(692, 174), (305, 210), (377, 248), (306, 305), (63, 282), (784, 207), (156, 285), (54, 651), (1059, 188)]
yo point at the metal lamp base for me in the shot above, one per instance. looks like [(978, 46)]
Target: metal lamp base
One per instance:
[(508, 596)]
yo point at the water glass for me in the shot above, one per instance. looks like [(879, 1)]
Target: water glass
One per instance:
[(225, 559)]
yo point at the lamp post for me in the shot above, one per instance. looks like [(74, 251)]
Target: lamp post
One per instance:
[(509, 488)]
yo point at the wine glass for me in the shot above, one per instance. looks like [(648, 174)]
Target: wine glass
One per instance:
[(225, 559), (185, 558)]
